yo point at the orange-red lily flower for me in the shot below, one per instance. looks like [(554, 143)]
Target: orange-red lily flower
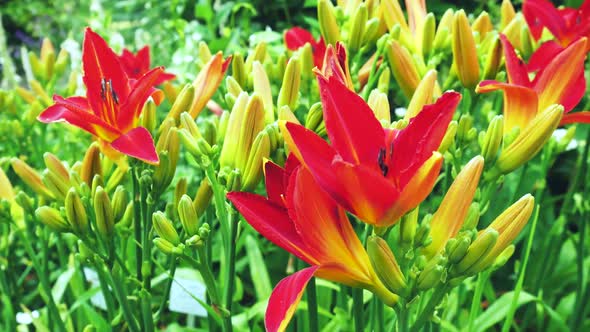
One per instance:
[(112, 106), (566, 24), (377, 174), (297, 37), (136, 65), (335, 63), (559, 80), (301, 218)]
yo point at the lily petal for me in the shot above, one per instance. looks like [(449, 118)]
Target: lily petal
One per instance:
[(415, 143), (561, 75), (273, 177), (540, 14), (515, 67), (297, 37), (351, 124), (578, 117), (284, 299), (520, 103), (142, 88), (137, 143), (100, 62), (271, 221)]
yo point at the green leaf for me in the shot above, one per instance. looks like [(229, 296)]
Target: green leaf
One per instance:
[(498, 310), (258, 270), (62, 283)]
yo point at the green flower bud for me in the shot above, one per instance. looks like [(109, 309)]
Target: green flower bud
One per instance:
[(478, 250), (314, 117), (120, 202), (52, 219), (385, 265), (57, 186), (56, 166), (327, 19), (449, 137), (91, 164), (428, 33), (291, 81), (493, 138), (103, 212), (164, 228), (238, 70), (359, 19), (168, 248), (76, 212), (148, 115), (456, 248), (430, 278), (188, 216)]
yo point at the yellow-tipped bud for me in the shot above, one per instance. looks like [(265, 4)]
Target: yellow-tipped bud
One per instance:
[(56, 166), (493, 59), (262, 88), (259, 54), (428, 34), (530, 140), (449, 218), (464, 128), (456, 248), (483, 25), (289, 92), (61, 62), (6, 191), (164, 228), (183, 102), (204, 52), (203, 197), (238, 70), (472, 218), (91, 164), (47, 57), (385, 265), (503, 257), (384, 79), (432, 274), (233, 87), (371, 30), (315, 118), (198, 147), (307, 64), (252, 173), (188, 216), (478, 250), (180, 190), (407, 228), (328, 24), (443, 31), (507, 13), (51, 218), (103, 211), (120, 202), (359, 19), (148, 115), (36, 66), (57, 186), (380, 105), (492, 139), (38, 89), (75, 212), (206, 82), (168, 248), (449, 137), (30, 177), (508, 224), (423, 95), (403, 68), (285, 114), (164, 172), (464, 51), (393, 14), (513, 30)]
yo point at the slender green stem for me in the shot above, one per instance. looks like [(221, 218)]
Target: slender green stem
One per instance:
[(580, 306), (171, 272), (104, 286), (357, 309), (379, 308), (137, 222), (231, 267), (312, 305), (476, 302), (372, 74), (402, 317), (427, 312), (517, 289), (119, 290)]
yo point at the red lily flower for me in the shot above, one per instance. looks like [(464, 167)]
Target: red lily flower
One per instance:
[(559, 80), (297, 37), (566, 24), (335, 63), (136, 65), (377, 174), (301, 218), (112, 106)]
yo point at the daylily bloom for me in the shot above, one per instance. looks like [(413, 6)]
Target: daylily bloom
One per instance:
[(136, 65), (566, 24), (301, 218), (560, 81), (377, 174), (207, 82), (297, 37), (112, 106), (335, 63)]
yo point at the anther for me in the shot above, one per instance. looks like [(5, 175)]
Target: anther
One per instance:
[(381, 161)]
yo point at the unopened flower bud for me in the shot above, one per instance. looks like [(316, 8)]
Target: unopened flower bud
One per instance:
[(428, 33), (408, 226), (380, 105), (464, 51), (188, 216), (204, 231), (477, 251), (56, 166), (75, 212), (423, 95), (252, 172), (57, 186), (449, 137), (314, 117), (465, 125), (482, 25), (148, 115), (259, 54), (403, 68), (359, 19), (166, 247), (103, 212), (503, 257), (30, 177), (492, 139), (25, 202), (238, 70), (507, 13), (456, 248), (384, 80), (289, 92), (430, 278), (530, 140), (194, 241), (493, 59), (120, 202), (472, 218), (262, 88), (164, 228), (52, 219), (207, 81), (203, 197), (91, 164), (385, 265), (327, 19)]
